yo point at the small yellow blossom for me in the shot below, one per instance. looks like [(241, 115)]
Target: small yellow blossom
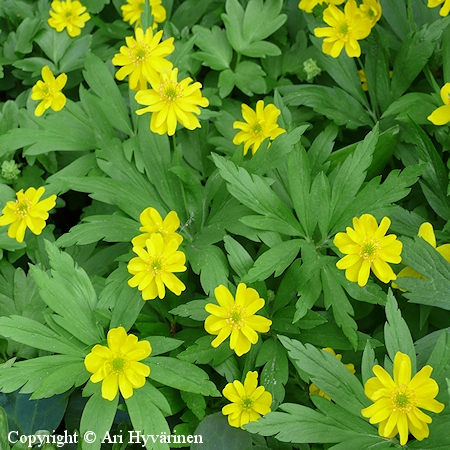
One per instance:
[(259, 124), (248, 401), (49, 92), (143, 58), (152, 222), (171, 102), (441, 115), (117, 366), (68, 14), (313, 389), (397, 401), (367, 248), (371, 9), (236, 317), (154, 266), (308, 5), (426, 232), (27, 212), (345, 30), (133, 10), (363, 79), (445, 8)]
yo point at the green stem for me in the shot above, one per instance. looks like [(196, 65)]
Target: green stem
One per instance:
[(371, 112), (238, 60)]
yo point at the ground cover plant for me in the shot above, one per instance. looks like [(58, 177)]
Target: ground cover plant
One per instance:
[(225, 224)]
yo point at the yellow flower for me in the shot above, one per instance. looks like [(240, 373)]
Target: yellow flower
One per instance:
[(445, 8), (117, 366), (426, 232), (27, 212), (171, 102), (371, 9), (249, 401), (133, 9), (363, 79), (236, 317), (366, 247), (308, 5), (313, 389), (345, 30), (154, 266), (68, 14), (49, 91), (397, 401), (259, 125), (441, 115), (152, 222), (143, 58)]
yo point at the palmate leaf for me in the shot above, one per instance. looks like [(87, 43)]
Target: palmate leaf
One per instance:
[(216, 50), (254, 192), (424, 259)]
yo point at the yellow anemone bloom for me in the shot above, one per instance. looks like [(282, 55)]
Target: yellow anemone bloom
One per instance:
[(27, 212), (445, 8), (248, 401), (371, 9), (143, 58), (49, 92), (363, 79), (133, 10), (117, 366), (308, 5), (154, 266), (171, 102), (68, 14), (236, 317), (367, 248), (259, 125), (441, 115), (426, 232), (345, 30), (152, 222), (313, 389), (397, 401)]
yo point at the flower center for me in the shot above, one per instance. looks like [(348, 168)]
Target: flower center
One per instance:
[(170, 91), (370, 249), (236, 317), (156, 265), (68, 14), (247, 403), (402, 399), (139, 53), (257, 128), (344, 30), (22, 207), (118, 364)]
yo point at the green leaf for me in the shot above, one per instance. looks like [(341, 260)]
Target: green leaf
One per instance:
[(69, 292), (202, 352), (239, 259), (218, 435), (249, 78), (195, 309), (53, 44), (414, 53), (328, 374), (368, 362), (102, 83), (253, 192), (181, 375), (211, 263), (434, 180), (276, 259), (112, 228), (300, 425), (216, 50), (97, 419), (147, 418), (163, 344), (414, 105), (74, 57), (32, 333), (195, 403), (4, 430), (334, 103), (335, 296), (396, 332), (424, 259)]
